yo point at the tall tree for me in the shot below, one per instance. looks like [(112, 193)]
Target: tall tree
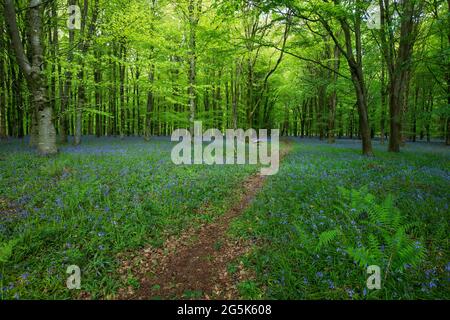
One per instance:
[(83, 47), (151, 75), (67, 89), (448, 75), (33, 71), (398, 59), (333, 96), (352, 50), (194, 12), (3, 106)]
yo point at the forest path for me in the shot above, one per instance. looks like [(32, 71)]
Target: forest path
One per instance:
[(195, 264)]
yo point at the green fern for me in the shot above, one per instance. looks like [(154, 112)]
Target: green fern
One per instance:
[(326, 238), (6, 249), (374, 248), (377, 233), (361, 255)]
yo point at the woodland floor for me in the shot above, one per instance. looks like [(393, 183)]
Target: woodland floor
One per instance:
[(140, 227), (194, 265)]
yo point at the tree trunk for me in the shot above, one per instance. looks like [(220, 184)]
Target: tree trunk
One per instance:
[(2, 87), (98, 97), (34, 73), (353, 55), (333, 97), (194, 11), (122, 54), (80, 106), (398, 62), (138, 103), (447, 140), (414, 115), (67, 87), (83, 47), (235, 93), (303, 117), (150, 104), (383, 102)]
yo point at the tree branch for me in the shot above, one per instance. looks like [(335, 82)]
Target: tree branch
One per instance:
[(10, 18)]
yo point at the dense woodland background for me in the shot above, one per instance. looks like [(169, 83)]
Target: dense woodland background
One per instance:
[(147, 67)]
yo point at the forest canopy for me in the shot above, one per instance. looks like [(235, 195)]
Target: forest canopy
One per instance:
[(330, 69)]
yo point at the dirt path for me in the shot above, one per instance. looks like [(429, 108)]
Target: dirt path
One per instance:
[(194, 265)]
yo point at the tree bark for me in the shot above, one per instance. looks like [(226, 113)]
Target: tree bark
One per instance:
[(3, 94), (398, 62), (194, 9), (235, 93), (447, 140), (383, 102), (333, 97), (33, 71), (98, 97), (356, 70), (150, 104), (67, 88), (123, 56), (83, 47)]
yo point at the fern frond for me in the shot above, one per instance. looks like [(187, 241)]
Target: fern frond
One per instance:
[(326, 238), (361, 255)]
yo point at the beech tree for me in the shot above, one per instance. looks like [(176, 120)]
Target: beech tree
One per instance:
[(43, 130), (398, 58)]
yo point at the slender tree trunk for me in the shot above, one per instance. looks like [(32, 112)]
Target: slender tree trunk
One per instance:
[(303, 117), (429, 115), (80, 106), (398, 62), (227, 106), (122, 89), (20, 107), (321, 101), (98, 97), (333, 97), (414, 115), (3, 94), (405, 107), (194, 11), (83, 47), (218, 98), (447, 140), (383, 102), (235, 90), (63, 121), (138, 102), (53, 52), (150, 104), (249, 92)]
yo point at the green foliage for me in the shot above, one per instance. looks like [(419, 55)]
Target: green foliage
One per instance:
[(250, 290), (326, 238), (88, 204), (6, 250), (330, 213), (387, 244)]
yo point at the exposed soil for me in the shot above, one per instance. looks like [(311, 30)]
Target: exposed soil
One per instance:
[(194, 265)]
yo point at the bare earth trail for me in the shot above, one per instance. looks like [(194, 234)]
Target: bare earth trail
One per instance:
[(194, 265)]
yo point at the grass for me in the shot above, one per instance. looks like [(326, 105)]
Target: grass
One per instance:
[(90, 203), (302, 202)]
